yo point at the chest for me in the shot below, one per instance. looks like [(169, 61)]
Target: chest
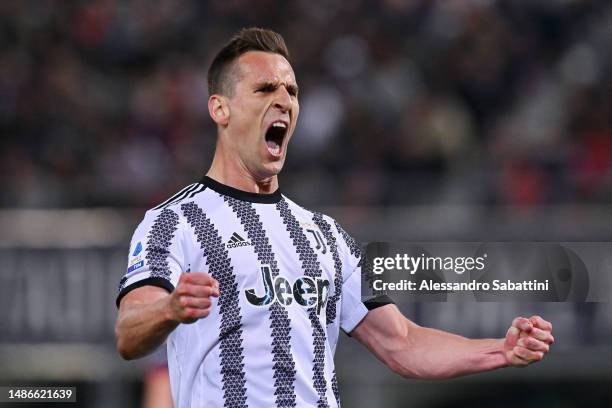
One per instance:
[(261, 259)]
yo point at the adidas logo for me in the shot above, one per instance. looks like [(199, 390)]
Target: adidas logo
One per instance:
[(237, 241)]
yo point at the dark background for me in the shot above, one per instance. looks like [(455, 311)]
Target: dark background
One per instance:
[(420, 120)]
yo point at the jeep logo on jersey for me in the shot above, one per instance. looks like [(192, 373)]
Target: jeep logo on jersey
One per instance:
[(306, 291)]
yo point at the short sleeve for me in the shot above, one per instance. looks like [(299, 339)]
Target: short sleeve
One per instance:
[(156, 253), (352, 309)]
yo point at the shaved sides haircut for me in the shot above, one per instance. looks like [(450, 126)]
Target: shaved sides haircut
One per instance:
[(222, 73)]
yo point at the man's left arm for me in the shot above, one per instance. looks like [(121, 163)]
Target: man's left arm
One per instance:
[(420, 352)]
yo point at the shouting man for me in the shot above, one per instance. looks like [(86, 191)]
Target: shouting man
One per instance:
[(250, 290)]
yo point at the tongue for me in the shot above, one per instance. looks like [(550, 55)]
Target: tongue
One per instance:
[(273, 147)]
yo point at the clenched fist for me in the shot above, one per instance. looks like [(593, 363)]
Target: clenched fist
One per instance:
[(191, 300), (527, 340)]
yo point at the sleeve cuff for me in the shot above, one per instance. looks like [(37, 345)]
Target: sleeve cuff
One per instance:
[(159, 282), (378, 301), (356, 316)]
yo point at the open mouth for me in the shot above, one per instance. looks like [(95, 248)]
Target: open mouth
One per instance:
[(275, 136)]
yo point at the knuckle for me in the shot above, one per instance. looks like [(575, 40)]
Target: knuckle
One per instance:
[(182, 288), (204, 276)]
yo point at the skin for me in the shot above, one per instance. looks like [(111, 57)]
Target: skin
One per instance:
[(265, 90)]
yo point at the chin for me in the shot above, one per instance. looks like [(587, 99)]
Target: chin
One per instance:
[(273, 169)]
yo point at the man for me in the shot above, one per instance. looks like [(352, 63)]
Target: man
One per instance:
[(249, 289)]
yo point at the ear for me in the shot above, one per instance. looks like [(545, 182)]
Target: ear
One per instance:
[(218, 108)]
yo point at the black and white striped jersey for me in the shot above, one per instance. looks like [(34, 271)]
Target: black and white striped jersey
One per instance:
[(289, 280)]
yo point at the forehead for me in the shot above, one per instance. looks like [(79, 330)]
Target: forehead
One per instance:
[(259, 66)]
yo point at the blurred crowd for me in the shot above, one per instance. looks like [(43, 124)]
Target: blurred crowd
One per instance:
[(104, 103)]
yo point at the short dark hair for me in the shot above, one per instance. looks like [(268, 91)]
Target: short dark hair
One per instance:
[(248, 39)]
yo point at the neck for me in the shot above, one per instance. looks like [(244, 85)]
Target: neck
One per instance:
[(226, 169)]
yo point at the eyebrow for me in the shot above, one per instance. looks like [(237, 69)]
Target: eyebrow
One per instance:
[(275, 84)]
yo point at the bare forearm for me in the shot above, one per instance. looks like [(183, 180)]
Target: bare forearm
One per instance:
[(148, 314), (434, 354), (141, 328), (419, 352)]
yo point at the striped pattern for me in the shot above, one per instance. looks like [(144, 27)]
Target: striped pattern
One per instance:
[(284, 366), (335, 389), (230, 335), (311, 268), (325, 228), (161, 235), (231, 235), (188, 192), (349, 241)]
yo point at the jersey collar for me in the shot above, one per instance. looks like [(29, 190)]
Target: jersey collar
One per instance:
[(214, 185)]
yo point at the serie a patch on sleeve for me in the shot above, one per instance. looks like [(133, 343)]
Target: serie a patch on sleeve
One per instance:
[(135, 266), (136, 260)]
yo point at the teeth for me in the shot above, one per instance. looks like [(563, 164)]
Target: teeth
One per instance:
[(279, 125)]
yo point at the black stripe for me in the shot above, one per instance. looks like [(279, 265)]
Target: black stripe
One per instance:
[(325, 228), (182, 197), (378, 301), (350, 242), (311, 268), (284, 366), (230, 335), (160, 236), (174, 197), (198, 191), (335, 389), (159, 282)]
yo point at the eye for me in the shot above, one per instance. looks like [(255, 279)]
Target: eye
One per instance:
[(266, 88)]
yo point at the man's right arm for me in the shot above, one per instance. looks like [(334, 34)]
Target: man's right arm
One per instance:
[(147, 315)]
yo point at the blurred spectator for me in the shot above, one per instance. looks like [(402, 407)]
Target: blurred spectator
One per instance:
[(104, 102)]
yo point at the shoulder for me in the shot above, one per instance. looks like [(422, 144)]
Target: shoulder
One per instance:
[(169, 213), (307, 216), (186, 193)]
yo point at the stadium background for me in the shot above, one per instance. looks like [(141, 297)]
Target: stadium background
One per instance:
[(420, 120)]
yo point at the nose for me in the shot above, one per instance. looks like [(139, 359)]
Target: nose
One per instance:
[(282, 99)]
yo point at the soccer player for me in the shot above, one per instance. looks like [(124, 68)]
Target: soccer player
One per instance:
[(250, 290)]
